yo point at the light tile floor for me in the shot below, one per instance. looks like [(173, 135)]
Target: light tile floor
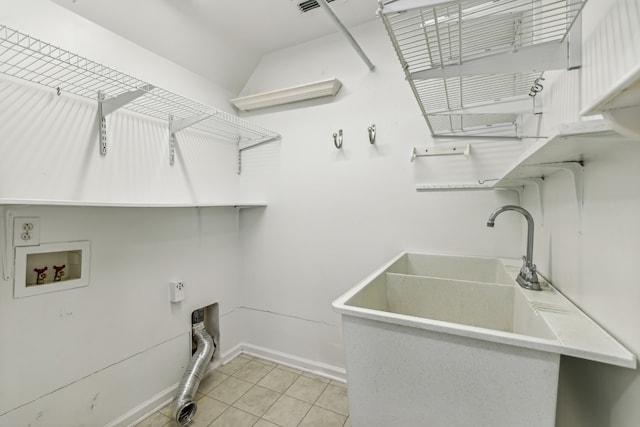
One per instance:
[(249, 391)]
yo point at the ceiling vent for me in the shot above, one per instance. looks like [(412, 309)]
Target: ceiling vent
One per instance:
[(307, 5)]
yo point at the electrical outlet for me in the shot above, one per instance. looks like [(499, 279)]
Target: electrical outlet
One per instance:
[(176, 288), (26, 231)]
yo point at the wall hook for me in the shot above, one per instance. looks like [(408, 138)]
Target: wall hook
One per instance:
[(537, 87), (372, 134), (337, 139)]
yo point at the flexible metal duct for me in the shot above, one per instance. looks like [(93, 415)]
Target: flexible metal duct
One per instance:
[(184, 406)]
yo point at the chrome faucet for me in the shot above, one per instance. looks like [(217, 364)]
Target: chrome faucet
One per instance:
[(527, 278)]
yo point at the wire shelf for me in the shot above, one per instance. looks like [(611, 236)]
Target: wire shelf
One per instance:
[(445, 49), (459, 92), (33, 60)]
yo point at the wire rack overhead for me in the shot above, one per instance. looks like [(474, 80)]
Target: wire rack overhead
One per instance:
[(33, 60), (458, 54)]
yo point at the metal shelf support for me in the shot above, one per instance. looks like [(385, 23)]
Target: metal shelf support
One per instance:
[(178, 125), (7, 250), (108, 106), (352, 41), (538, 182), (251, 145), (575, 168)]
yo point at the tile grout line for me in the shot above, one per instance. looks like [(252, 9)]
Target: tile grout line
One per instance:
[(313, 404), (272, 365), (252, 386), (240, 397), (283, 393)]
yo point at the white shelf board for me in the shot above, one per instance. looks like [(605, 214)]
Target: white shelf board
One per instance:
[(620, 105), (44, 202), (467, 186), (623, 94), (573, 142), (288, 95)]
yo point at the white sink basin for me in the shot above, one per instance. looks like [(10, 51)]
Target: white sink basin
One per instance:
[(425, 331), (476, 269), (483, 305), (478, 297)]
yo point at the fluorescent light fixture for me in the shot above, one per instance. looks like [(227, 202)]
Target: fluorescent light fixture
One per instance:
[(288, 95)]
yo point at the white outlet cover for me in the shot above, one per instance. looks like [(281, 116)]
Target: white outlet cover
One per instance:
[(26, 231), (176, 290)]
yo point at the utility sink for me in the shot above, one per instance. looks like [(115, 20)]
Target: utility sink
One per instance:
[(460, 290), (446, 340)]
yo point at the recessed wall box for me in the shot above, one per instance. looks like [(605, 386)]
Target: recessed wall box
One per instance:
[(51, 267), (212, 325)]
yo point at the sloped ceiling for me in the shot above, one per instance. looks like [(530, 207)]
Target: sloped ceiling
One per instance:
[(222, 40)]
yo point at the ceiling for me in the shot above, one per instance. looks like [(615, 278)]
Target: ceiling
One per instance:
[(223, 40)]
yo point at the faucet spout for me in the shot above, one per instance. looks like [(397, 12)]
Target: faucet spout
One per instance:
[(527, 278)]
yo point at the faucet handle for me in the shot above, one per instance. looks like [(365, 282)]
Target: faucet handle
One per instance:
[(524, 269)]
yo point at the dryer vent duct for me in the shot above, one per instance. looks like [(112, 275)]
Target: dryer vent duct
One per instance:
[(184, 405)]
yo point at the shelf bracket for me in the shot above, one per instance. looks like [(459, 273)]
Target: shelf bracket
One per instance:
[(576, 170), (574, 48), (239, 156), (343, 29), (108, 106), (178, 125), (253, 144), (538, 182), (259, 142), (102, 125), (7, 249)]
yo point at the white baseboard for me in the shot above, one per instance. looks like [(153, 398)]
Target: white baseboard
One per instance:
[(145, 409), (163, 398), (153, 404), (230, 354), (318, 368)]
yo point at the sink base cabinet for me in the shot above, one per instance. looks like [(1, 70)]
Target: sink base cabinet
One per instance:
[(405, 376)]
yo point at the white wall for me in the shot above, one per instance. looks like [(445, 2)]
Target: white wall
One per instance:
[(335, 215), (592, 260), (55, 139), (89, 355), (92, 355), (50, 151)]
